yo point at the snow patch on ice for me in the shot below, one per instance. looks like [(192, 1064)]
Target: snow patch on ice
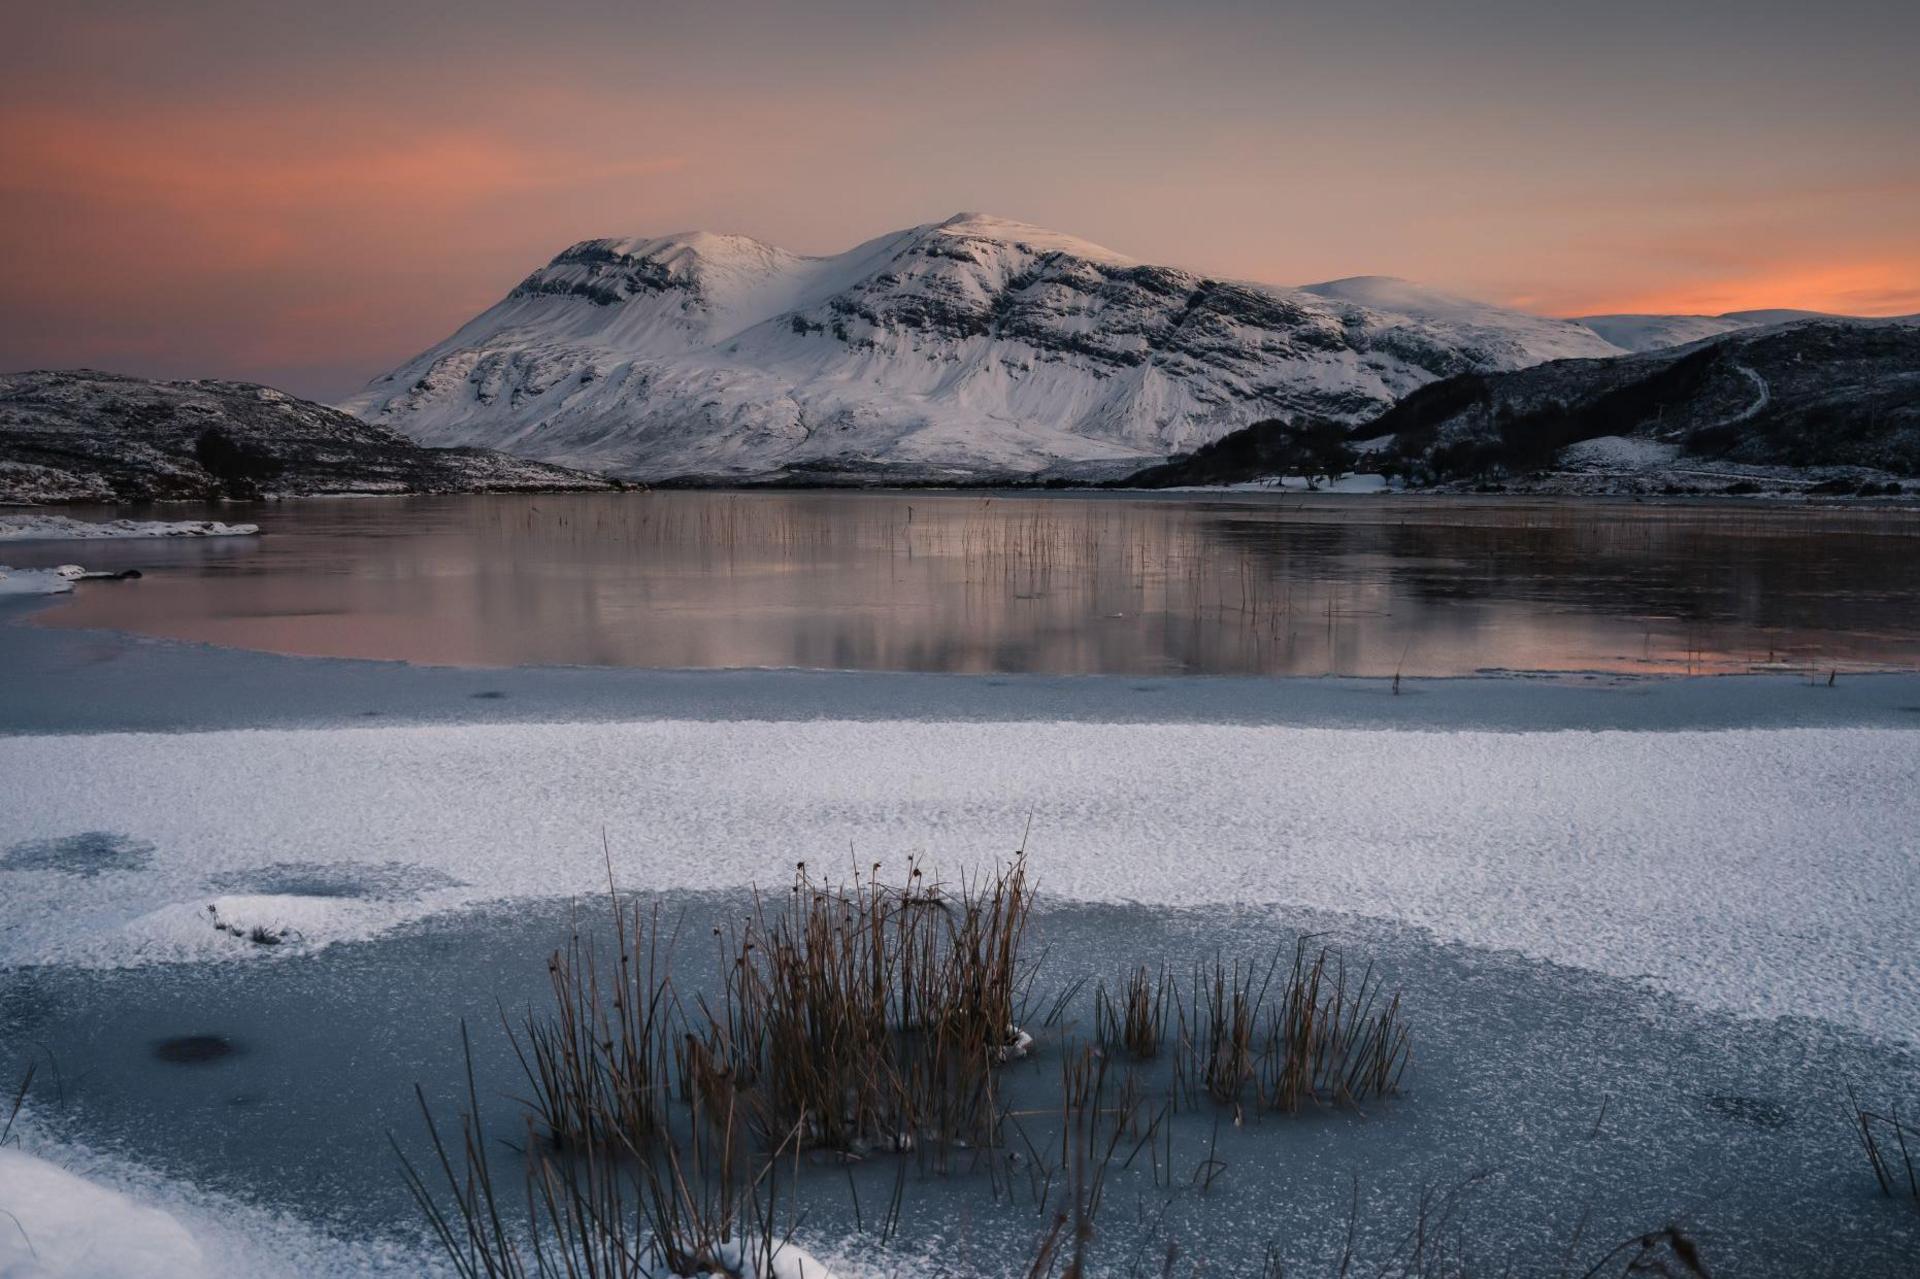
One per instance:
[(39, 581), (238, 924), (20, 528), (1725, 867)]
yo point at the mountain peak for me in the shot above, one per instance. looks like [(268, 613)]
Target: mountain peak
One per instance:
[(1389, 293), (1025, 235)]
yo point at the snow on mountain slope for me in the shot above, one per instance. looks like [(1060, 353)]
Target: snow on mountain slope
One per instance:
[(1527, 338), (973, 348), (1657, 332)]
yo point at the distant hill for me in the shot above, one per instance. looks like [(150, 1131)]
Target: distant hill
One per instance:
[(1805, 402), (1656, 332), (89, 436)]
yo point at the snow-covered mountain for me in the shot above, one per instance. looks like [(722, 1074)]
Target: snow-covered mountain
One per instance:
[(968, 349)]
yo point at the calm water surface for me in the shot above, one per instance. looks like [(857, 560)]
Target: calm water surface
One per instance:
[(1053, 584)]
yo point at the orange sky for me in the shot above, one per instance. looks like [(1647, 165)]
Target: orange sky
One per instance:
[(308, 195)]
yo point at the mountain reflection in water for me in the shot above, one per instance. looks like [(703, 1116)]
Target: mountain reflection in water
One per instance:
[(1056, 584)]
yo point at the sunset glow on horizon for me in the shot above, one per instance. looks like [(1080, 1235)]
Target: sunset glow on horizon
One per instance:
[(307, 196)]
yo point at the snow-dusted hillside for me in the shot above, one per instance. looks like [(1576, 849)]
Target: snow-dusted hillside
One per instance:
[(1657, 332), (87, 436), (967, 349), (1515, 337)]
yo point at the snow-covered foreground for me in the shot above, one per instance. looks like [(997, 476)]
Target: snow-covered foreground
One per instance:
[(20, 528), (1764, 872)]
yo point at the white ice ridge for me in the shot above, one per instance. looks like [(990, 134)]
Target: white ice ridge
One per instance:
[(69, 1213), (56, 1224), (1766, 872), (38, 527)]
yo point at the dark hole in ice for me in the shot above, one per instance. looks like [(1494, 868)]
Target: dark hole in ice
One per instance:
[(1757, 1111), (191, 1050), (492, 694), (87, 854)]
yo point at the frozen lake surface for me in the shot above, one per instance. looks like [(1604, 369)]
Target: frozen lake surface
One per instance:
[(1648, 929)]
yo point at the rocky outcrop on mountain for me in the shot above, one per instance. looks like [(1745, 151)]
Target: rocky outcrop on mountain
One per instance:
[(85, 436), (971, 349), (1826, 405)]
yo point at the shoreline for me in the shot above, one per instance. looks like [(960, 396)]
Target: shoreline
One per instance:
[(77, 681), (1508, 491)]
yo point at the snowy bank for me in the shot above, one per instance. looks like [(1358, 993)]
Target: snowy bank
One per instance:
[(1345, 484), (20, 528)]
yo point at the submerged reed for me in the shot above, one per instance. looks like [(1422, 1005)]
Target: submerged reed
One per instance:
[(861, 1018), (1313, 1037), (1884, 1141)]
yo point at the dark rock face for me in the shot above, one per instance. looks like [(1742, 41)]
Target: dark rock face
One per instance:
[(87, 436), (602, 273)]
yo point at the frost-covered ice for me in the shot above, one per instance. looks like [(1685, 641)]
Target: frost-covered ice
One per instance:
[(20, 528), (1765, 872), (39, 581)]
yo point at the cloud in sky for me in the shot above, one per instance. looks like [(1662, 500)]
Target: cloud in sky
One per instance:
[(309, 194)]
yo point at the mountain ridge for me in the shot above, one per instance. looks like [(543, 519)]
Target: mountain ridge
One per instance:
[(1817, 405)]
